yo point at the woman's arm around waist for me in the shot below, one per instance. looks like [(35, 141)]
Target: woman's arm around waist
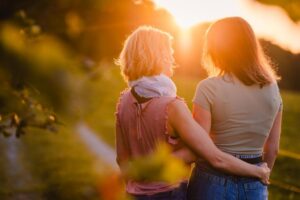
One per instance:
[(199, 141)]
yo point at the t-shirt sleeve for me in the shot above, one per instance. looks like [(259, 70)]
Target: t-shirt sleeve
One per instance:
[(278, 97), (280, 100), (204, 94)]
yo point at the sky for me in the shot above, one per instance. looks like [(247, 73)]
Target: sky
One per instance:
[(269, 22)]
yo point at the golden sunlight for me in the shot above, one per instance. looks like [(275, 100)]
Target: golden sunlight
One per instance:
[(276, 26), (189, 13)]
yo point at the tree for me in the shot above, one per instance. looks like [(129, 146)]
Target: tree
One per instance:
[(45, 56)]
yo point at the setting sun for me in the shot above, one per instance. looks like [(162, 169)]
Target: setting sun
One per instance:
[(189, 13), (273, 27)]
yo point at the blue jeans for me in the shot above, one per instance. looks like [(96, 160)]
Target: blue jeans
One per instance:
[(175, 194), (207, 183)]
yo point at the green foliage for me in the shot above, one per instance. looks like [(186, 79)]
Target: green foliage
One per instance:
[(29, 63), (27, 112), (38, 63)]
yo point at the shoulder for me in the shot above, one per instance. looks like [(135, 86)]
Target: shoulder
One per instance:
[(179, 114), (123, 96), (210, 82), (208, 87), (275, 94), (125, 92), (176, 106), (165, 100), (273, 87)]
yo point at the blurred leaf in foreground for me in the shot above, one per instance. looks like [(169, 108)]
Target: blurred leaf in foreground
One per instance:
[(22, 110), (111, 187), (159, 166), (37, 77)]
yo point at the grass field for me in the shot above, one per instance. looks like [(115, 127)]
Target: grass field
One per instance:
[(63, 168)]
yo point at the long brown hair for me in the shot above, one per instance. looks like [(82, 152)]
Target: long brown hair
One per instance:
[(232, 47)]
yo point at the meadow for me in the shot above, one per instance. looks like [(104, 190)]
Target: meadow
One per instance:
[(61, 167)]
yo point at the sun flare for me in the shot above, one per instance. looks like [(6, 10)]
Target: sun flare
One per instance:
[(189, 13), (269, 22)]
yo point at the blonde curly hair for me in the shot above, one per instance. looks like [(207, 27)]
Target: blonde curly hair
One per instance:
[(147, 51)]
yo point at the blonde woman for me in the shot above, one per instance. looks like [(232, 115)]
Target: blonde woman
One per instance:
[(150, 112), (240, 106)]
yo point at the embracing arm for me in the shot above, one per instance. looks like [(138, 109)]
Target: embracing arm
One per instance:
[(271, 147), (195, 136), (203, 117), (185, 154)]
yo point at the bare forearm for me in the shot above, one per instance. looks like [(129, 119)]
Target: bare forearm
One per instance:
[(185, 154), (270, 157), (232, 165), (271, 147)]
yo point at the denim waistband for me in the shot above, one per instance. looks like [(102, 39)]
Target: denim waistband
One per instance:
[(245, 156), (204, 166), (240, 156), (208, 173)]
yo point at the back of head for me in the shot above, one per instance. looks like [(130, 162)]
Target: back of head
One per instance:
[(231, 47), (145, 53)]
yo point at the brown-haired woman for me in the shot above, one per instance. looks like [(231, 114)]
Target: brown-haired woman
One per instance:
[(240, 106)]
